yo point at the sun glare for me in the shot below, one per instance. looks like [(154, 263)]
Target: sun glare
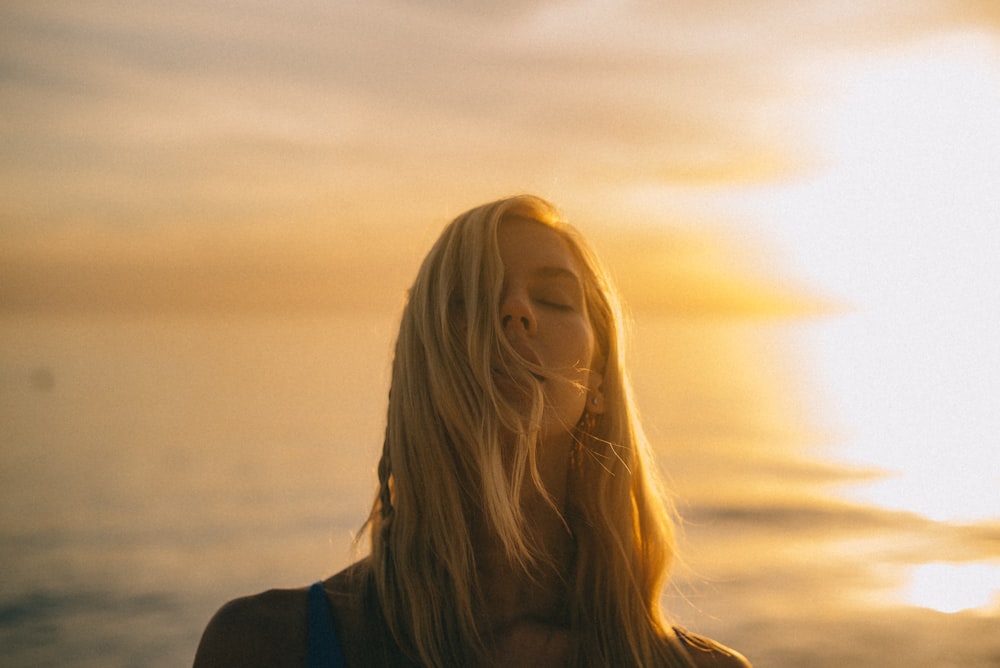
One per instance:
[(931, 117), (902, 225), (955, 588)]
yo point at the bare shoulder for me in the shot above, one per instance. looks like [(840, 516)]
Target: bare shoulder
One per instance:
[(707, 653), (267, 629)]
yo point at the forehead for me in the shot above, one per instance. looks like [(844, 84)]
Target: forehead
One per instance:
[(526, 244)]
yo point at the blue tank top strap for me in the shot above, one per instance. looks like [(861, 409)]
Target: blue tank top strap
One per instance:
[(323, 649)]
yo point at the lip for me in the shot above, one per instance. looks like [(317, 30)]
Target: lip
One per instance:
[(528, 355), (525, 351)]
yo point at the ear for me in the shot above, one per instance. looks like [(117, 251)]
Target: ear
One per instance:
[(595, 393)]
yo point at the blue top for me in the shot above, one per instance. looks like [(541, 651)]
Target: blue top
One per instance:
[(323, 649)]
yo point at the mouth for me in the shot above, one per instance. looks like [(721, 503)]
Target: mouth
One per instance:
[(526, 353), (530, 356)]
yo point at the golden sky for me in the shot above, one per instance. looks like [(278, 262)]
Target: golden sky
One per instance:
[(209, 143)]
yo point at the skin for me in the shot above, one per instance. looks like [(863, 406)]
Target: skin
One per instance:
[(544, 316), (545, 319)]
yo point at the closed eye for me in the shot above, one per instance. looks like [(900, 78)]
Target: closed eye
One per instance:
[(555, 304), (557, 289)]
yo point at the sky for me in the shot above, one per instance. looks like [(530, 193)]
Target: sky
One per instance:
[(828, 163)]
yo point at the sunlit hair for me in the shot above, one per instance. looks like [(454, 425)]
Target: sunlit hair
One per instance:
[(447, 468)]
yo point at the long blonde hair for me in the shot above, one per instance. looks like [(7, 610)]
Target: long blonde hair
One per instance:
[(443, 472)]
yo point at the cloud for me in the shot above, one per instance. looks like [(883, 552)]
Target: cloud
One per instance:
[(177, 111), (323, 120)]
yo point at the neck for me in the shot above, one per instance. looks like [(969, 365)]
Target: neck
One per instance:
[(536, 592)]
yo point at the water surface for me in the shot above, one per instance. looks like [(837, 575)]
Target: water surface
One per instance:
[(156, 466)]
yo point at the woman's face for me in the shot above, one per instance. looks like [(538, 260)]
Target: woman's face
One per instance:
[(544, 317)]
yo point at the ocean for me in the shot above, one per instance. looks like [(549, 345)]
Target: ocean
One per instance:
[(154, 466)]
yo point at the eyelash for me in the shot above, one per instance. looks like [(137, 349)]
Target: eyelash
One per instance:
[(559, 306)]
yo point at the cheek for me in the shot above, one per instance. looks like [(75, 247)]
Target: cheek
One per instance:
[(572, 353), (579, 346)]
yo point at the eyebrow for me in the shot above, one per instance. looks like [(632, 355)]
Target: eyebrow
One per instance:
[(557, 272)]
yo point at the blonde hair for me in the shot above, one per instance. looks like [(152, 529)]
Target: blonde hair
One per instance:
[(443, 472)]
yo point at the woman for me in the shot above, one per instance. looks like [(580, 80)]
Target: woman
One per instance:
[(518, 521)]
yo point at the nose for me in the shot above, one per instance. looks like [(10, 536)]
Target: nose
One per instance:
[(516, 314)]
